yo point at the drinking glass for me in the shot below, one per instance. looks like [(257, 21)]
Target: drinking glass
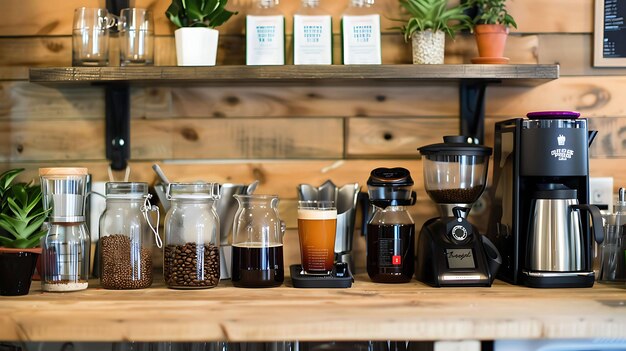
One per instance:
[(317, 226), (136, 37), (90, 36)]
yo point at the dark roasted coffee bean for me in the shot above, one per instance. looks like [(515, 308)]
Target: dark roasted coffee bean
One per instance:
[(192, 266), (120, 268)]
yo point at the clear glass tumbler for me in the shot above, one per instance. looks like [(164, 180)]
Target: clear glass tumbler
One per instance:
[(136, 37), (90, 36)]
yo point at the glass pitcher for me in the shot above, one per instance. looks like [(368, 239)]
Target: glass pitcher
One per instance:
[(257, 260), (125, 245), (191, 258)]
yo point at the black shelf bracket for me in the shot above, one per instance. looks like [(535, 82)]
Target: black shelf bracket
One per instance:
[(472, 105), (117, 114), (117, 110)]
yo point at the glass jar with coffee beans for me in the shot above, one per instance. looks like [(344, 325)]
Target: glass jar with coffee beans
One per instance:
[(191, 255), (125, 245)]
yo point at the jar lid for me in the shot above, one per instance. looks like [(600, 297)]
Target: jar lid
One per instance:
[(553, 115), (125, 189), (62, 171), (455, 145), (198, 191)]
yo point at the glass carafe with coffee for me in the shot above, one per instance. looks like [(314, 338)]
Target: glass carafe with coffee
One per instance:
[(257, 260), (391, 230), (450, 250)]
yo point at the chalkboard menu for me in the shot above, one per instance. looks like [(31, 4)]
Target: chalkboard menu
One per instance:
[(610, 33)]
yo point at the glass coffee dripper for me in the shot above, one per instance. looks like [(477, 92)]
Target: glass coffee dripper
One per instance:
[(66, 246), (455, 174)]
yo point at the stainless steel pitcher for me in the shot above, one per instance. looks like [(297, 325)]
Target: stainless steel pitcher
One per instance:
[(556, 241)]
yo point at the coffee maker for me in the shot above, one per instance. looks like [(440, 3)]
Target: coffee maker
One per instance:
[(539, 163), (450, 250)]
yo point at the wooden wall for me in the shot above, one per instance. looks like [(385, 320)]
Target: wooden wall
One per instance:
[(284, 136)]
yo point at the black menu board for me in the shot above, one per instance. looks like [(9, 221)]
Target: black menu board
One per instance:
[(610, 33)]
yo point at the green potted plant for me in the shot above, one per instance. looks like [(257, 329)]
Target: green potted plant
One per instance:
[(196, 38), (21, 218), (429, 22), (491, 28)]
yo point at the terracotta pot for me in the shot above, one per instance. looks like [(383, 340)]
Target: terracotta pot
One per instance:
[(491, 39), (16, 270)]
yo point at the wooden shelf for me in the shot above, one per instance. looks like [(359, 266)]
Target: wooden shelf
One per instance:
[(367, 311), (520, 74)]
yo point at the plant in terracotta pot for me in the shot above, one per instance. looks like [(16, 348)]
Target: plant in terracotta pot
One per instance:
[(21, 218), (429, 22), (196, 38), (491, 28)]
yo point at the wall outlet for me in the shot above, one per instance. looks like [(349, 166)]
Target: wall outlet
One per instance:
[(601, 192)]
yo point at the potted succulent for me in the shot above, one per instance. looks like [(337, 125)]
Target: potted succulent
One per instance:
[(429, 22), (491, 27), (196, 38), (21, 218)]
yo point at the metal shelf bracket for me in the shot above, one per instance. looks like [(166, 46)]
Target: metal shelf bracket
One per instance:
[(117, 111), (472, 105)]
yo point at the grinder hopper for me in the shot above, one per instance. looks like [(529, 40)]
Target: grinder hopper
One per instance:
[(345, 199)]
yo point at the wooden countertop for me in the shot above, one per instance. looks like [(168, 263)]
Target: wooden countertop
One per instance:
[(367, 311)]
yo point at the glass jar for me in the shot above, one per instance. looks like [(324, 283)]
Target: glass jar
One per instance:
[(191, 254), (65, 248), (125, 245), (257, 260)]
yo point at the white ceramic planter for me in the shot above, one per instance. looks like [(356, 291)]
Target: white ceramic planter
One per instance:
[(428, 47), (196, 46)]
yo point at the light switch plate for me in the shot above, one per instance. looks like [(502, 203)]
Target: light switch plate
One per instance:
[(601, 192)]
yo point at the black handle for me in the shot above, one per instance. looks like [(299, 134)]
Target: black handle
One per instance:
[(364, 203), (596, 220), (591, 136)]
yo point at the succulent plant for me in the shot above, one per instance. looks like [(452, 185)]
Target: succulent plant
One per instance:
[(198, 13), (21, 212), (435, 15)]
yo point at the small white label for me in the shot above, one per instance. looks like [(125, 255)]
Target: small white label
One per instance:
[(361, 40), (312, 40), (265, 40)]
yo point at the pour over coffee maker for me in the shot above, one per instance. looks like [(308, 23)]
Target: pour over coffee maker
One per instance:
[(450, 250)]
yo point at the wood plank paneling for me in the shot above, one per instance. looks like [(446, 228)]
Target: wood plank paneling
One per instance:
[(57, 51), (592, 96), (22, 100), (175, 139), (371, 137), (552, 16), (37, 17), (573, 52)]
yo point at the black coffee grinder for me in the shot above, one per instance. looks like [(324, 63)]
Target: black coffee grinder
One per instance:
[(530, 155), (450, 250)]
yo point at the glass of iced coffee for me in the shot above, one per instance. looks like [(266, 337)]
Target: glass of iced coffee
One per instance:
[(317, 226)]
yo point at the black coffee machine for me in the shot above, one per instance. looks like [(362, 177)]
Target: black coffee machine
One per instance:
[(450, 250), (531, 156)]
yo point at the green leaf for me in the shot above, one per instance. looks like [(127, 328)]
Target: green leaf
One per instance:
[(6, 242), (220, 18), (7, 177), (210, 6), (193, 9)]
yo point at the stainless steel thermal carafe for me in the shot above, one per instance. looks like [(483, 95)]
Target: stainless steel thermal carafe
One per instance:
[(556, 238)]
